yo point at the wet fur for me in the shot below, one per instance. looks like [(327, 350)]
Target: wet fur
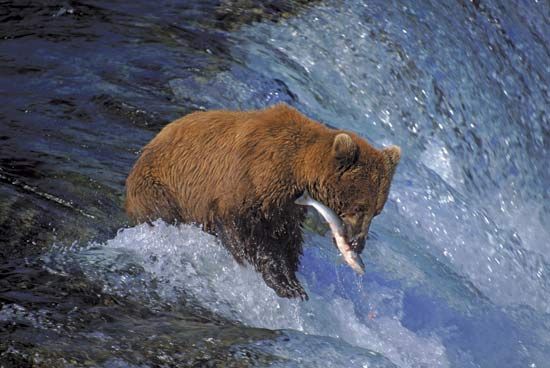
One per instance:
[(238, 174)]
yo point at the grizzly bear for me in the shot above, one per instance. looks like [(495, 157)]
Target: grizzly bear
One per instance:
[(238, 174)]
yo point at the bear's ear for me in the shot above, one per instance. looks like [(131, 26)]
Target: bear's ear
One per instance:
[(392, 155), (344, 149)]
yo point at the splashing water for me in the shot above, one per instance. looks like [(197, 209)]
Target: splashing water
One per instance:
[(170, 264), (457, 265)]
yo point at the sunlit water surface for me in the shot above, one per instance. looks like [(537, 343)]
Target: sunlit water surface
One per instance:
[(458, 264)]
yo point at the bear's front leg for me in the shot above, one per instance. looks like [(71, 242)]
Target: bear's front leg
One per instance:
[(280, 275), (272, 245)]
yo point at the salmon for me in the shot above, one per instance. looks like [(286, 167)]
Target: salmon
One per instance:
[(337, 228)]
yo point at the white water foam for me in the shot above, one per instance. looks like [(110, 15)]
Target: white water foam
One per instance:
[(184, 262), (307, 351), (438, 158), (508, 266), (380, 89)]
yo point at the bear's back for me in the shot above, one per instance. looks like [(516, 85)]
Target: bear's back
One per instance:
[(256, 125), (215, 161)]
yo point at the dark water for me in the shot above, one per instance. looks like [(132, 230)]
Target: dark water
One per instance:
[(458, 263)]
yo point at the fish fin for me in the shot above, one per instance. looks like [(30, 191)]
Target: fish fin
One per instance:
[(304, 199)]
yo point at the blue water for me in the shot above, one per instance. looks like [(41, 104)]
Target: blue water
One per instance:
[(458, 263)]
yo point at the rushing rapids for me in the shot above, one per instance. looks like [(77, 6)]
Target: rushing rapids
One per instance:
[(457, 265)]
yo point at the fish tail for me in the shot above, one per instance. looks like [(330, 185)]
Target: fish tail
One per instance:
[(304, 199), (358, 263)]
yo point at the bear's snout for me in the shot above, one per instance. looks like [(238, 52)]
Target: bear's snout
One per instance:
[(356, 235)]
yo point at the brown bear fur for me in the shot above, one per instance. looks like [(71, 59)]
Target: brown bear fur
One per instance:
[(239, 173)]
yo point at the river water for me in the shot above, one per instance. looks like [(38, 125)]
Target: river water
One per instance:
[(458, 264)]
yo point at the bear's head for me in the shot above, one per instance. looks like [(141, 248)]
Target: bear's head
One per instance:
[(357, 183)]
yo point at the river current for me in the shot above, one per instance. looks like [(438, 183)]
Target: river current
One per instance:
[(457, 264)]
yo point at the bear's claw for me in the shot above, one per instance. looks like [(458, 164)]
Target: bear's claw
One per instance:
[(292, 292), (286, 287), (297, 290)]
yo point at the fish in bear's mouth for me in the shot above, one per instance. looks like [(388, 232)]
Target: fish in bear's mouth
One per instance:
[(338, 234)]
